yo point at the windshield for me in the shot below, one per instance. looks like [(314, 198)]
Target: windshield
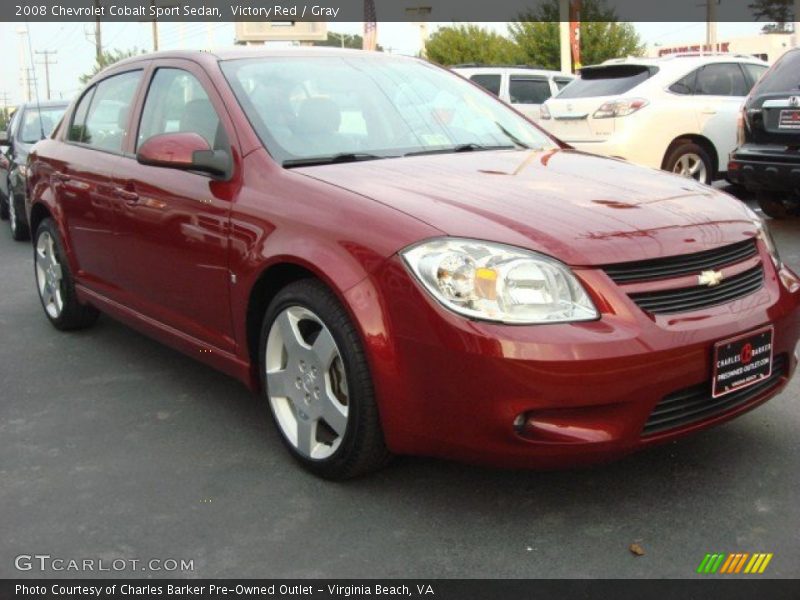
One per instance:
[(606, 81), (370, 107), (33, 127)]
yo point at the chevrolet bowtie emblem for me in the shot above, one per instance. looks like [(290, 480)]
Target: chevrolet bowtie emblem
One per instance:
[(710, 278)]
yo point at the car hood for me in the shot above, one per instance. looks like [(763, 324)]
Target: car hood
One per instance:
[(579, 208)]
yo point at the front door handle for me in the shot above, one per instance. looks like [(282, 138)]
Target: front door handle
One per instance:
[(61, 177), (127, 195), (709, 111)]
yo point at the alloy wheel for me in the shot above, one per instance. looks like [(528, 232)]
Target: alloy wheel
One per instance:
[(306, 383), (691, 165), (49, 276)]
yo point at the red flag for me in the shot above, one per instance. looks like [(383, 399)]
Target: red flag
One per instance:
[(370, 26), (575, 33)]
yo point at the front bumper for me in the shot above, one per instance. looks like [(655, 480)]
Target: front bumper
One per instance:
[(765, 168), (453, 388)]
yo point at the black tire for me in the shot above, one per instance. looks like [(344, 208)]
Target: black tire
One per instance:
[(777, 205), (74, 315), (362, 448), (3, 207), (685, 147), (19, 229)]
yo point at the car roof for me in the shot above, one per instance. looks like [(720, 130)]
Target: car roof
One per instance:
[(44, 104), (675, 63), (508, 69)]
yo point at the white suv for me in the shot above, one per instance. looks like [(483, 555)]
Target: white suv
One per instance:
[(677, 113), (523, 88)]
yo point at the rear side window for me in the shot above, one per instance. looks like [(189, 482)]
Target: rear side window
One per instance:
[(686, 85), (488, 82), (77, 131), (723, 79), (525, 90), (561, 82), (107, 120), (784, 75), (754, 71), (607, 80)]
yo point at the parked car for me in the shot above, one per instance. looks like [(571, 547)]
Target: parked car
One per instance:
[(400, 275), (676, 113), (766, 160), (30, 123), (524, 88)]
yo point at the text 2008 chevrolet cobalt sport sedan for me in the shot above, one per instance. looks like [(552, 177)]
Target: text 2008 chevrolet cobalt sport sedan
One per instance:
[(402, 264)]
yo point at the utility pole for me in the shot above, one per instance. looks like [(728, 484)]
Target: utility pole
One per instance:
[(24, 83), (155, 29), (563, 36), (47, 62), (711, 25), (30, 75), (98, 35)]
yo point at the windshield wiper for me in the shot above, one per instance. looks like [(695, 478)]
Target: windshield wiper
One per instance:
[(343, 157), (512, 137), (470, 147)]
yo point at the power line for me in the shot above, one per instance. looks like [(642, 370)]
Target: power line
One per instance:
[(47, 62)]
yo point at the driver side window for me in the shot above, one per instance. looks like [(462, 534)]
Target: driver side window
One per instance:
[(176, 102)]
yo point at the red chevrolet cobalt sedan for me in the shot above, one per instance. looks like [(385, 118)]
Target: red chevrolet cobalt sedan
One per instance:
[(401, 264)]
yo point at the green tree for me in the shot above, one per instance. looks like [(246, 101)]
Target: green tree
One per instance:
[(779, 12), (602, 37), (4, 118), (108, 57), (458, 44), (350, 41)]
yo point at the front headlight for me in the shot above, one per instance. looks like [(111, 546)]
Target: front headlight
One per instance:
[(484, 280)]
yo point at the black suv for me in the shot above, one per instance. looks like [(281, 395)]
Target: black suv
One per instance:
[(767, 159), (30, 123)]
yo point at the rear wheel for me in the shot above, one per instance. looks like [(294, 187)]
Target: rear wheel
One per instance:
[(778, 205), (55, 284), (317, 382), (690, 160), (19, 229)]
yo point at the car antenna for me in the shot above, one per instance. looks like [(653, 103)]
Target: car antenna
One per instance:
[(35, 85)]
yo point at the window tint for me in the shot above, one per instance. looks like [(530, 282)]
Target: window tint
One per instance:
[(528, 91), (561, 82), (177, 102), (685, 85), (755, 71), (607, 80), (106, 122), (488, 82), (35, 127), (784, 75), (722, 79), (77, 131)]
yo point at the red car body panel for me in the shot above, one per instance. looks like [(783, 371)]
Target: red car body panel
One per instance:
[(181, 257)]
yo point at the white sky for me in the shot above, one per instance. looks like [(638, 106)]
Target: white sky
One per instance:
[(75, 46)]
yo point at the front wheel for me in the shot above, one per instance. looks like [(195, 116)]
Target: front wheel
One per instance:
[(317, 382), (690, 160), (55, 284), (19, 230)]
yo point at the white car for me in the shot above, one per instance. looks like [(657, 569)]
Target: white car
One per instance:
[(677, 113), (523, 88)]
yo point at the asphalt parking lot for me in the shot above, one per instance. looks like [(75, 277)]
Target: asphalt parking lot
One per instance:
[(114, 446)]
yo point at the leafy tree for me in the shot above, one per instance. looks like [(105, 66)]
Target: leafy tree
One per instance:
[(107, 58), (350, 41), (458, 44), (602, 37), (779, 12), (4, 118)]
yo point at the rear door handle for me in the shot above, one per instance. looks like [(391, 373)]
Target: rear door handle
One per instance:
[(709, 111), (127, 195)]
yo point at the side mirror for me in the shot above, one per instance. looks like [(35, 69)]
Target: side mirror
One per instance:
[(185, 151)]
